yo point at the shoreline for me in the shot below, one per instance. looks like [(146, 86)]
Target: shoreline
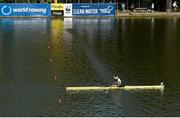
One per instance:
[(119, 14), (147, 14)]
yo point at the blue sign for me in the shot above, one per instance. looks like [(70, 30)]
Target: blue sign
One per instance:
[(23, 9), (85, 9), (107, 9), (94, 9)]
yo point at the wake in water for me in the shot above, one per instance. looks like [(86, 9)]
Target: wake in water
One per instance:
[(99, 67)]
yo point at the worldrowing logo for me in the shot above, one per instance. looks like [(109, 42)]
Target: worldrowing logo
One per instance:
[(110, 8), (6, 10), (107, 10)]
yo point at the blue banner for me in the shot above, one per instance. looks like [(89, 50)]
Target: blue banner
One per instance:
[(94, 9), (24, 9), (108, 9), (85, 9)]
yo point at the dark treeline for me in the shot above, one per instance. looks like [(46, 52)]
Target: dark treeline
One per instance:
[(159, 5)]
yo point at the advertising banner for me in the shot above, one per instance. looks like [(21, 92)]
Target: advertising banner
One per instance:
[(57, 13), (85, 9), (68, 9), (23, 9), (93, 9), (108, 9), (57, 7)]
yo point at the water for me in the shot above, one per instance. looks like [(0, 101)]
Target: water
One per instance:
[(40, 57)]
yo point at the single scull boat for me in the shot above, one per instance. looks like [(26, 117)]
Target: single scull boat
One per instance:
[(161, 86)]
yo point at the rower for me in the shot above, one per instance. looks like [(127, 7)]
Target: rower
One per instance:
[(117, 81), (162, 84)]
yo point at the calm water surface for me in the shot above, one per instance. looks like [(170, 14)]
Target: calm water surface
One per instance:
[(40, 57)]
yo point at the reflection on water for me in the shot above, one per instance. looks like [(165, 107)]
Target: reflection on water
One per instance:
[(40, 57)]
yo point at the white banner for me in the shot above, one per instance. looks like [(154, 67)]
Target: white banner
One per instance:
[(67, 9)]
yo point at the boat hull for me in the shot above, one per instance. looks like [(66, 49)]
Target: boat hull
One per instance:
[(114, 87)]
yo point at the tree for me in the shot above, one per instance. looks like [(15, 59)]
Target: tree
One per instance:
[(168, 5)]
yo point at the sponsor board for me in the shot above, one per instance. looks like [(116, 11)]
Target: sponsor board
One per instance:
[(57, 13), (23, 9), (94, 9), (57, 7), (68, 9), (80, 9), (107, 9), (85, 9)]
